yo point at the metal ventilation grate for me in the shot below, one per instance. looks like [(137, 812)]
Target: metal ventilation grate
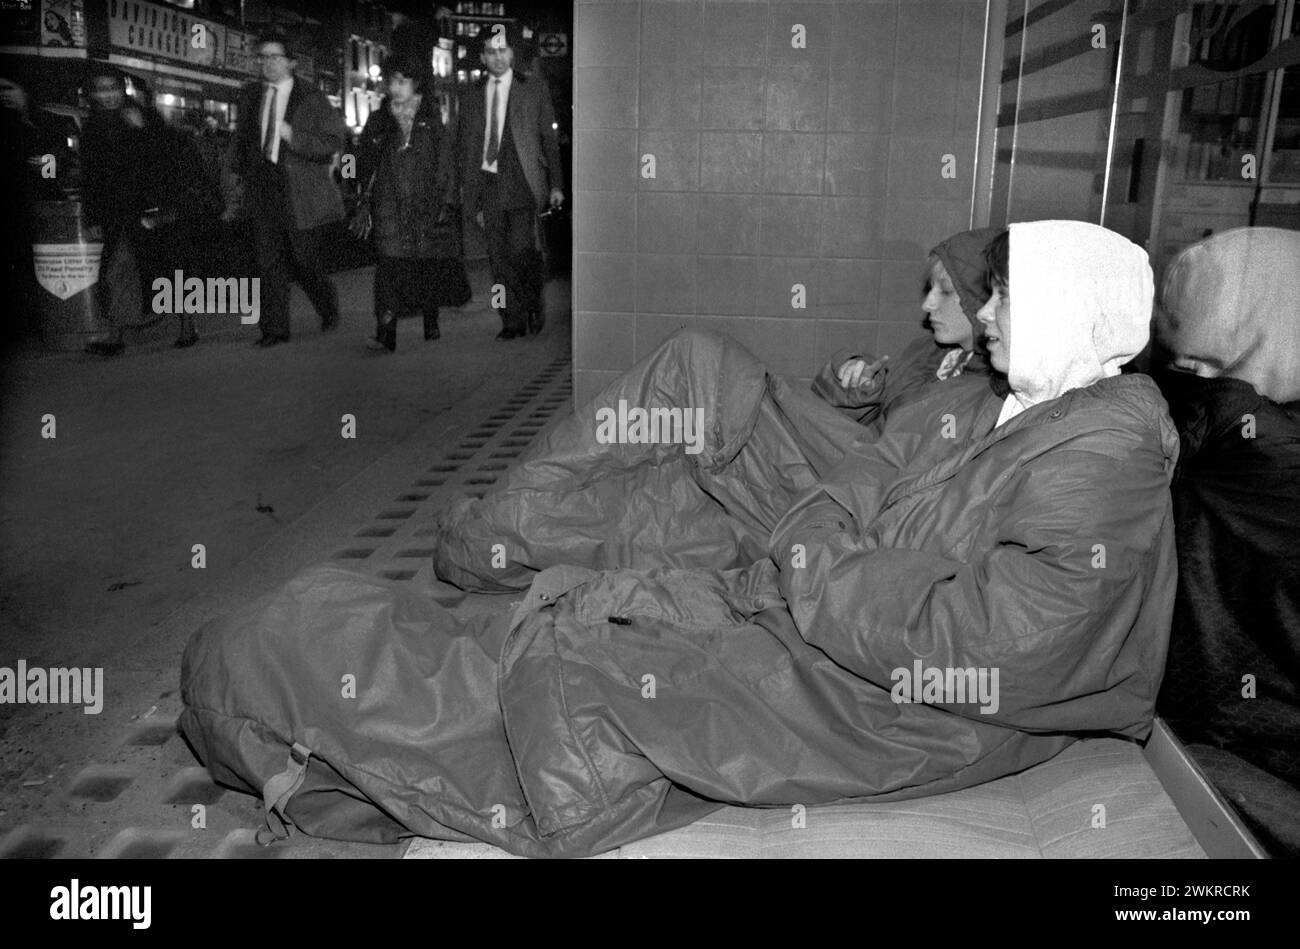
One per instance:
[(472, 466)]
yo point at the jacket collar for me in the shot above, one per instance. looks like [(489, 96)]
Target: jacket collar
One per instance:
[(1073, 413)]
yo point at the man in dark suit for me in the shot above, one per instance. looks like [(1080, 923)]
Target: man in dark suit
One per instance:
[(284, 151), (510, 171)]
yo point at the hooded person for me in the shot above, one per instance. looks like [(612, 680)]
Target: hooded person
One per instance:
[(1030, 532), (1229, 324), (956, 288), (933, 613)]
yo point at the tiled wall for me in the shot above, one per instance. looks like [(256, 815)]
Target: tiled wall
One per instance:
[(774, 166)]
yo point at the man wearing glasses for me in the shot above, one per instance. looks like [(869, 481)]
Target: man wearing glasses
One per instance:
[(284, 150)]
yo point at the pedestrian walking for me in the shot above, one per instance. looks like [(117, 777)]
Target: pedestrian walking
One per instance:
[(407, 159), (510, 171), (285, 148), (143, 185)]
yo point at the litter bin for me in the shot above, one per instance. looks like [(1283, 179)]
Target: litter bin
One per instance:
[(66, 254)]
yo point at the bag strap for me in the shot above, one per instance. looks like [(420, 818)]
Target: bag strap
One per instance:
[(277, 791), (381, 146)]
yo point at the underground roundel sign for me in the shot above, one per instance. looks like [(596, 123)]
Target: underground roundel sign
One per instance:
[(553, 44)]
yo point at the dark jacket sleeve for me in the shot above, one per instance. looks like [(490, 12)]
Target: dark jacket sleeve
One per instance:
[(95, 180), (318, 129), (862, 401), (468, 127), (243, 144), (370, 146), (548, 138), (1026, 597), (915, 366), (448, 160)]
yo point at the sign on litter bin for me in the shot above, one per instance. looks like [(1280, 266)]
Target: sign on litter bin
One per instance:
[(66, 254), (67, 269)]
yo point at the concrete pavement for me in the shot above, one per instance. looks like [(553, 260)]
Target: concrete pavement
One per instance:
[(241, 450)]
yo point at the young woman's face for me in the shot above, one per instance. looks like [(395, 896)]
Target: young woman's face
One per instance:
[(401, 88), (995, 319), (948, 321)]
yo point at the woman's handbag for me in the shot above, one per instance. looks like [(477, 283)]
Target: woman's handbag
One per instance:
[(362, 221)]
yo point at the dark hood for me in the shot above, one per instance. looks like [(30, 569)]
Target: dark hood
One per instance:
[(962, 255)]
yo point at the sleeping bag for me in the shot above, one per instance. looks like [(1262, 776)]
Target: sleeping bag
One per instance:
[(790, 614)]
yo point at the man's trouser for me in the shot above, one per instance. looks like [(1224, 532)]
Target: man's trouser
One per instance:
[(511, 234), (286, 253)]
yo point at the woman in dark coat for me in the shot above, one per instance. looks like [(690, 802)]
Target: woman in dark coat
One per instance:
[(144, 186), (410, 156)]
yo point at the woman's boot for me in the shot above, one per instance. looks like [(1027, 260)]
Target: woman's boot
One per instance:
[(385, 333)]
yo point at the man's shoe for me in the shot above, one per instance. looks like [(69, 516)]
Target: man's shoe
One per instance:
[(105, 348), (511, 334), (376, 345)]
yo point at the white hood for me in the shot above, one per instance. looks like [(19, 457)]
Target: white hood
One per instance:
[(1235, 298), (1080, 306)]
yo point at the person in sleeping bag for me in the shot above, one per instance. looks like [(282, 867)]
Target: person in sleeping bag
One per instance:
[(1229, 328), (956, 600), (956, 288), (1048, 534), (691, 457)]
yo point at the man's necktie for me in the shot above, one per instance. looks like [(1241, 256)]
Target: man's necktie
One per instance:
[(494, 139), (268, 139)]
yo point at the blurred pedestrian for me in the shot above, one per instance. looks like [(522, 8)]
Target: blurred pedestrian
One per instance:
[(285, 148), (407, 159), (112, 200), (510, 170), (143, 185)]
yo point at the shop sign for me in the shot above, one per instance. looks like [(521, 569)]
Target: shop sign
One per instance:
[(241, 52), (165, 32)]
